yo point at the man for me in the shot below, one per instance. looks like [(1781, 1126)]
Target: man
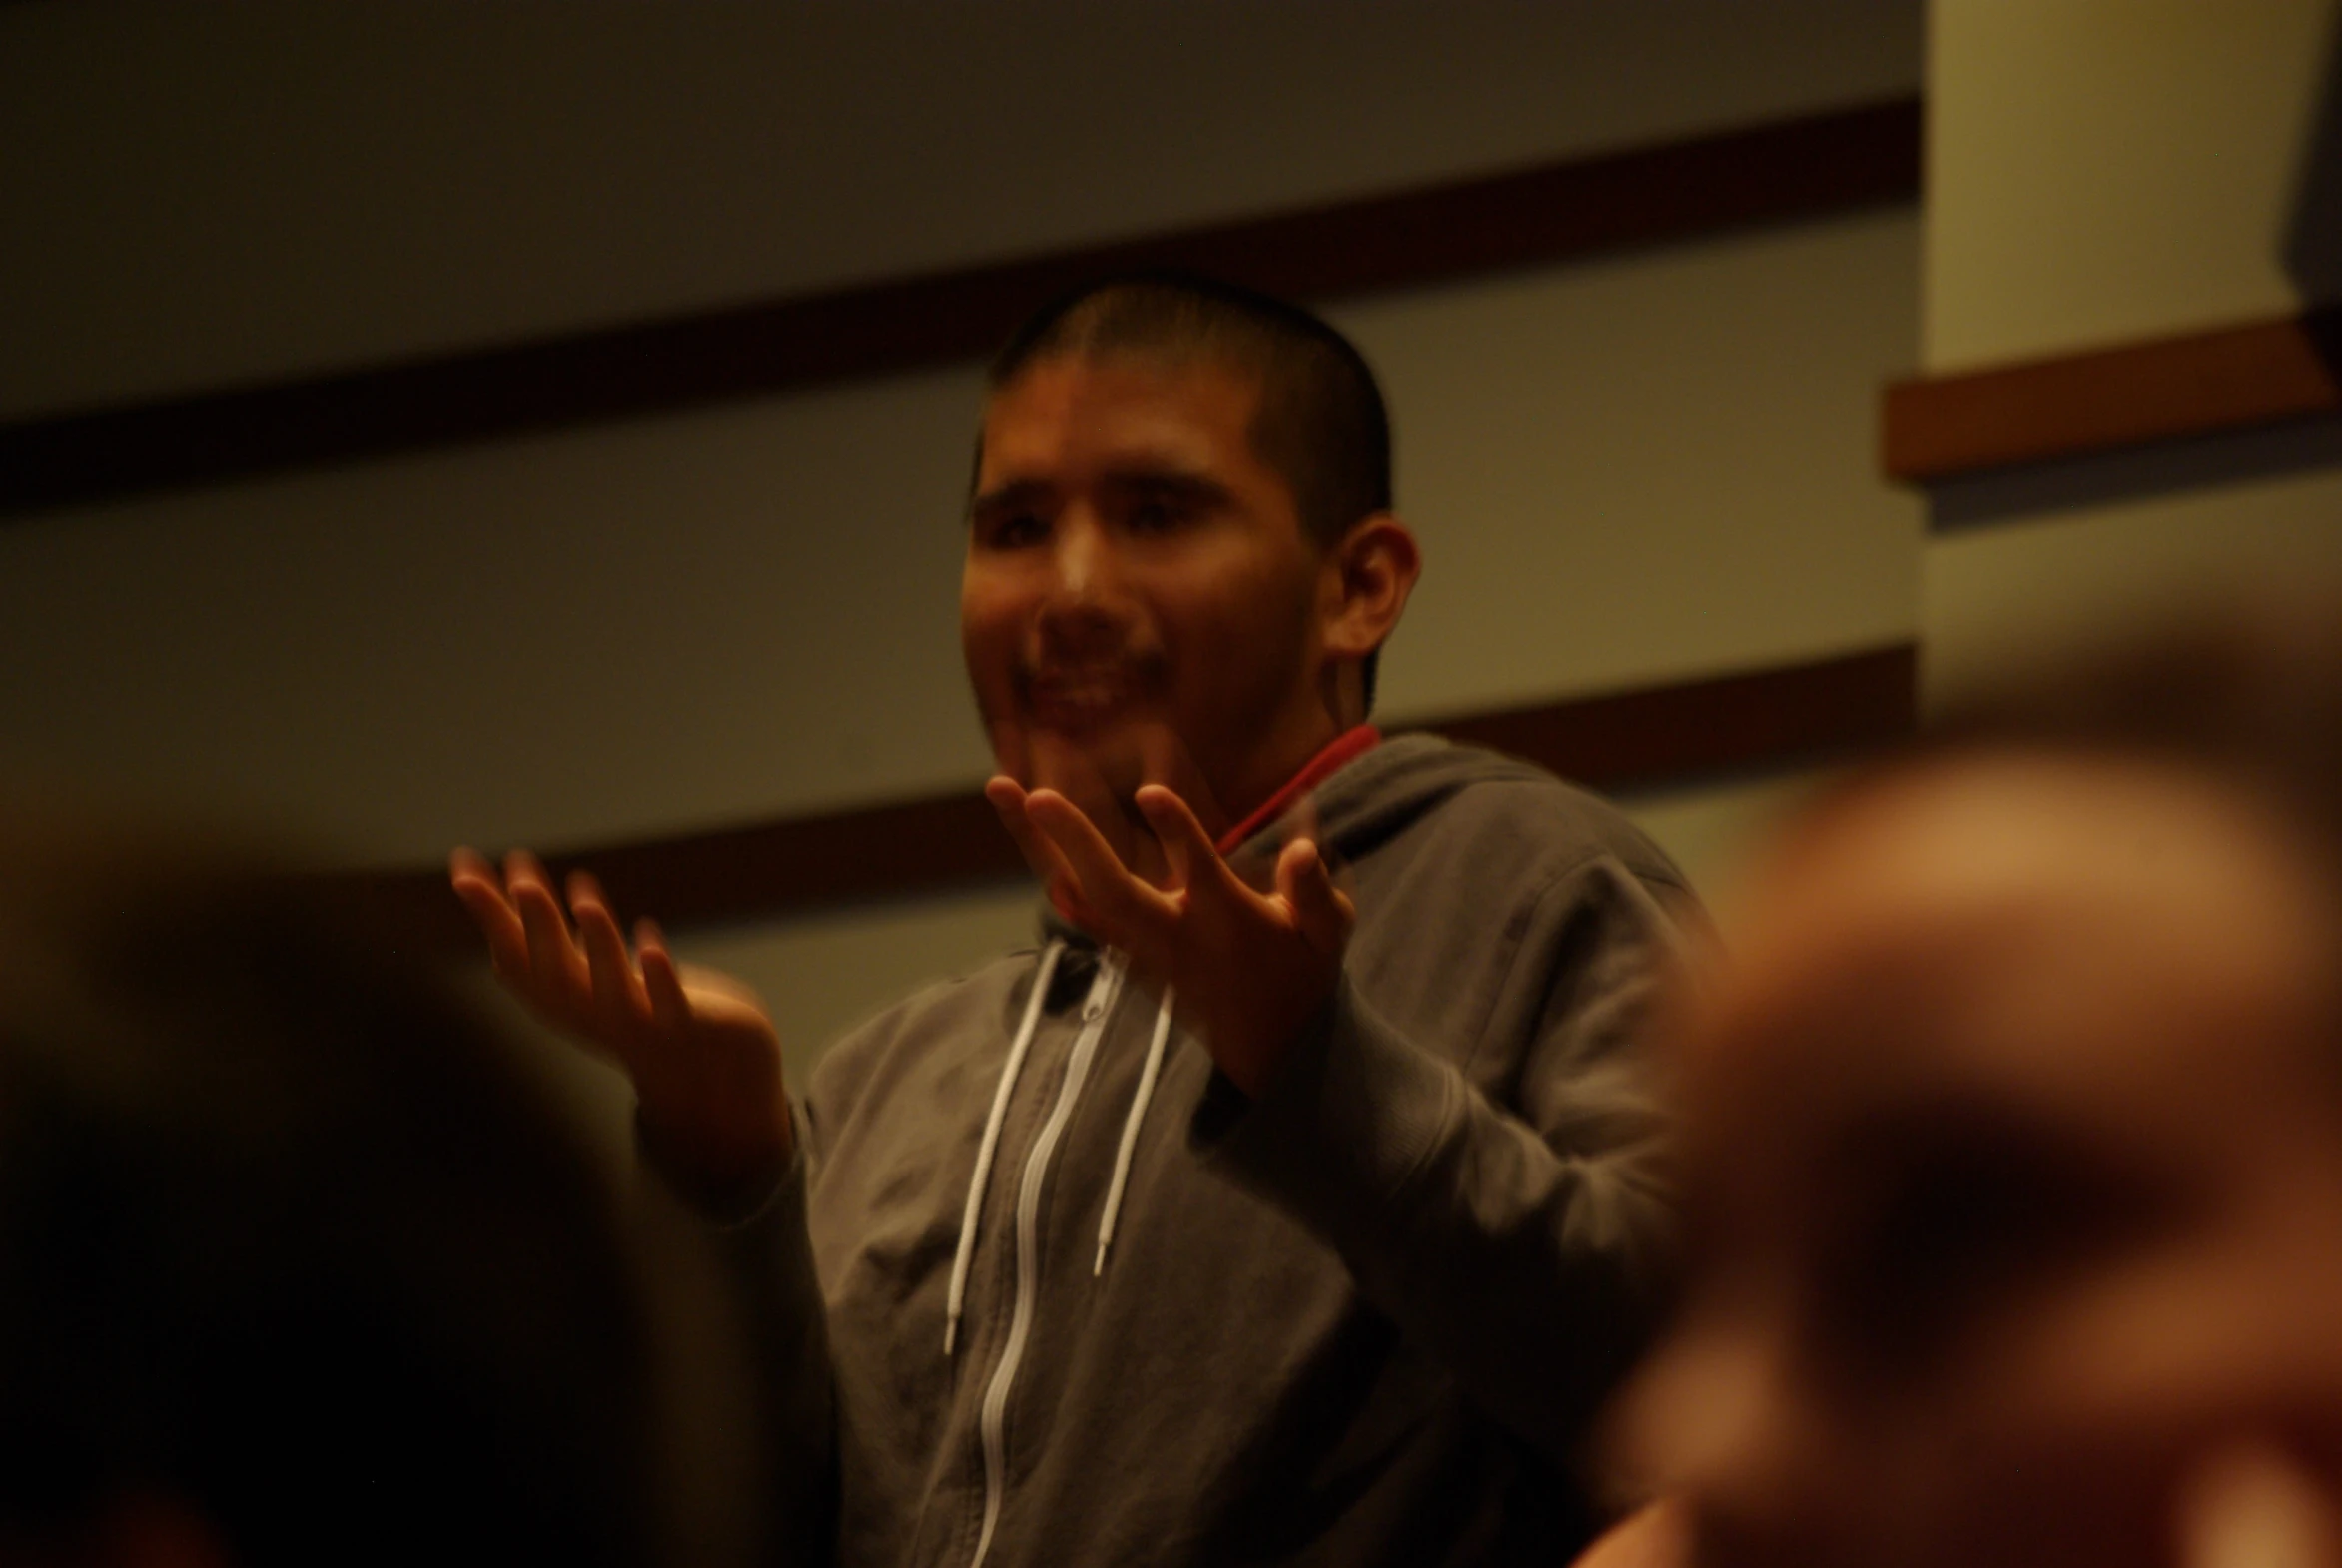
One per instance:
[(1255, 1218), (2014, 1147)]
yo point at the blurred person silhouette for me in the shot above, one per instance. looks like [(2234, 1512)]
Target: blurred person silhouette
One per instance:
[(299, 1262), (2013, 1144)]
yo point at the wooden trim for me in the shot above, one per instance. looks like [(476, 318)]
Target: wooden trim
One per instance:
[(1668, 734), (2065, 405), (795, 865), (1850, 158)]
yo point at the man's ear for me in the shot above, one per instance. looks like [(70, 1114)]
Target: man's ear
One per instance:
[(1368, 577)]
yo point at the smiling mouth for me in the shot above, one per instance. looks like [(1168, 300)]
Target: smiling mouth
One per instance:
[(1074, 700)]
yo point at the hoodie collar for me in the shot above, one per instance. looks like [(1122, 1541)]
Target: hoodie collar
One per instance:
[(1339, 752)]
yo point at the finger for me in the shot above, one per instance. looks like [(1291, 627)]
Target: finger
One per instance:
[(1165, 759), (522, 869), (1322, 912), (555, 965), (617, 994), (1064, 769), (1102, 883), (670, 1009), (482, 892), (1186, 842), (468, 864), (1210, 881), (1008, 799), (1305, 825), (1301, 820), (1163, 810), (1079, 846), (1012, 753)]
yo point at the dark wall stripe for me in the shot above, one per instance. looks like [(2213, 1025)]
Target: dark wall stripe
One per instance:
[(1669, 734), (2134, 395), (1786, 170), (1633, 739)]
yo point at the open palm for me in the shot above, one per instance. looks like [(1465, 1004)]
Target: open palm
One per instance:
[(1248, 968), (698, 1045)]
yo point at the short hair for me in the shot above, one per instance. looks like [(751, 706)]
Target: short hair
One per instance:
[(2250, 694), (1322, 424), (289, 1238), (2245, 696)]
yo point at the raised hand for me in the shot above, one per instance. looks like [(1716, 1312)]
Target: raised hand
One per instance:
[(1249, 969), (698, 1045)]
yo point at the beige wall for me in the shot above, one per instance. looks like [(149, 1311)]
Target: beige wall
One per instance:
[(224, 192), (2106, 171), (1652, 465), (704, 619), (2005, 599)]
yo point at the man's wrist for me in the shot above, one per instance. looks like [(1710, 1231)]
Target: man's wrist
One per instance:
[(1251, 1056), (722, 1181)]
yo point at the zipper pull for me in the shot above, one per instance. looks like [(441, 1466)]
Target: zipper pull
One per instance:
[(1101, 989)]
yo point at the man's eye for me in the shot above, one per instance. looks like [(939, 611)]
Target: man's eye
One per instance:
[(1015, 531), (1154, 518)]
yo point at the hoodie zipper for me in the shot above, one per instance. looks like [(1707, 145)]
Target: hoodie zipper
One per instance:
[(992, 1420)]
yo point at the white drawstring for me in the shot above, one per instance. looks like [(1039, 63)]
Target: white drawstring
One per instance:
[(987, 1150), (1130, 1126), (992, 1137)]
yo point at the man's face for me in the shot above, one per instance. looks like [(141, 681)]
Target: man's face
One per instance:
[(1139, 599), (2014, 1176)]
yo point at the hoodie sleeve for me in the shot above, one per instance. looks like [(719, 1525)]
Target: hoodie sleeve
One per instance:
[(762, 1258), (1524, 1243)]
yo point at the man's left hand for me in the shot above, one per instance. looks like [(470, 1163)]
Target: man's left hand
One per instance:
[(1248, 969)]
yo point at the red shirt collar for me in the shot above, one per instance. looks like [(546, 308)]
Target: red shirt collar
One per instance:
[(1339, 752)]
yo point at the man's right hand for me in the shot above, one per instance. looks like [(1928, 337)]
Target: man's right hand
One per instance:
[(703, 1054)]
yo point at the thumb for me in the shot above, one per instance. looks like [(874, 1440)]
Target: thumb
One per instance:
[(1322, 912)]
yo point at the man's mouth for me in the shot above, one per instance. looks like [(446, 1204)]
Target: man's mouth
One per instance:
[(1080, 697)]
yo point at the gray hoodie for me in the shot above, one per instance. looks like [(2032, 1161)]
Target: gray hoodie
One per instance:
[(1362, 1318)]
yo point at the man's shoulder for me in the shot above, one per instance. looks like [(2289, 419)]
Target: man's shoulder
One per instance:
[(1497, 818)]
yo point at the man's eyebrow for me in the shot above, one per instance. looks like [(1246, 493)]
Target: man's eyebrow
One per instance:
[(1173, 484), (1008, 498)]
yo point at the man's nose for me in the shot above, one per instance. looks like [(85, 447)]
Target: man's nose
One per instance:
[(1084, 608), (1081, 560)]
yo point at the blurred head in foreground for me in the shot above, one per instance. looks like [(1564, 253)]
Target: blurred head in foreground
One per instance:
[(294, 1263), (2013, 1142)]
